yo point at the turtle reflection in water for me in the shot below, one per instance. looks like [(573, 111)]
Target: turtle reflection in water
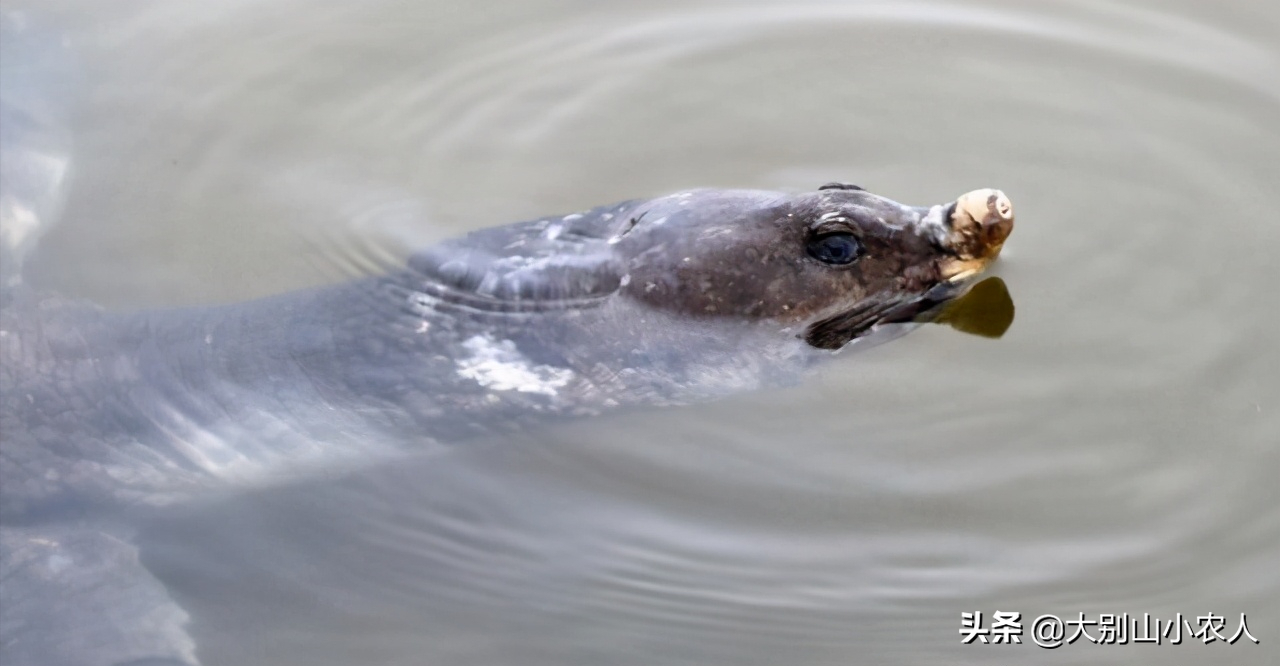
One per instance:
[(655, 302)]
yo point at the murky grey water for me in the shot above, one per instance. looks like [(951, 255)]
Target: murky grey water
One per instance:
[(1115, 452)]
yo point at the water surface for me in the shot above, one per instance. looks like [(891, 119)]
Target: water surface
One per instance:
[(1115, 452)]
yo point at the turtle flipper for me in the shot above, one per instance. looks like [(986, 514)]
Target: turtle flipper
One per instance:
[(79, 596)]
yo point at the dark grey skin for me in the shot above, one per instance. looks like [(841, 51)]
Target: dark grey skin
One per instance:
[(667, 301)]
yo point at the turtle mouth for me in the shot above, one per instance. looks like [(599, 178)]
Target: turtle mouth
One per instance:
[(982, 308), (931, 301), (835, 332)]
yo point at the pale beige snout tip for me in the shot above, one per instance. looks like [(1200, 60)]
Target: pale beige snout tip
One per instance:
[(985, 216), (980, 223)]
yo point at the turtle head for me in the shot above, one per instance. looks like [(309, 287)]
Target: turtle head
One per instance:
[(827, 266)]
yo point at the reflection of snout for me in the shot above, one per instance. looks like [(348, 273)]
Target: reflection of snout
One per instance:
[(980, 222)]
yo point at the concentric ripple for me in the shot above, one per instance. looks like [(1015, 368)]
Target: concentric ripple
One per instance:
[(1113, 453)]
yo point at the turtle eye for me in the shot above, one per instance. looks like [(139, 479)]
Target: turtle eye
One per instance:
[(837, 249)]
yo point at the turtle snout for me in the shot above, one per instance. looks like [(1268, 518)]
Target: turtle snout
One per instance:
[(989, 214), (978, 223)]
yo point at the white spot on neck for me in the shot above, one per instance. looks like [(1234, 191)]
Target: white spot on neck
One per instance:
[(499, 366)]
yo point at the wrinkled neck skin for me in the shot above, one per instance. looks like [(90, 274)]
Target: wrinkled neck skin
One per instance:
[(107, 409)]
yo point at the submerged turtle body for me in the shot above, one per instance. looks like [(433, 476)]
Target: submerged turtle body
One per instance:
[(653, 302), (673, 300)]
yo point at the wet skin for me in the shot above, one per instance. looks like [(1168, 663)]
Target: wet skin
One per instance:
[(672, 300), (666, 301)]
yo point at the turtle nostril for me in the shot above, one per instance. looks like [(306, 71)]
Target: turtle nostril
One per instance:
[(1001, 206), (998, 223)]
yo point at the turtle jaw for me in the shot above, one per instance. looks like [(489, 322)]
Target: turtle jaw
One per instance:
[(972, 230)]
